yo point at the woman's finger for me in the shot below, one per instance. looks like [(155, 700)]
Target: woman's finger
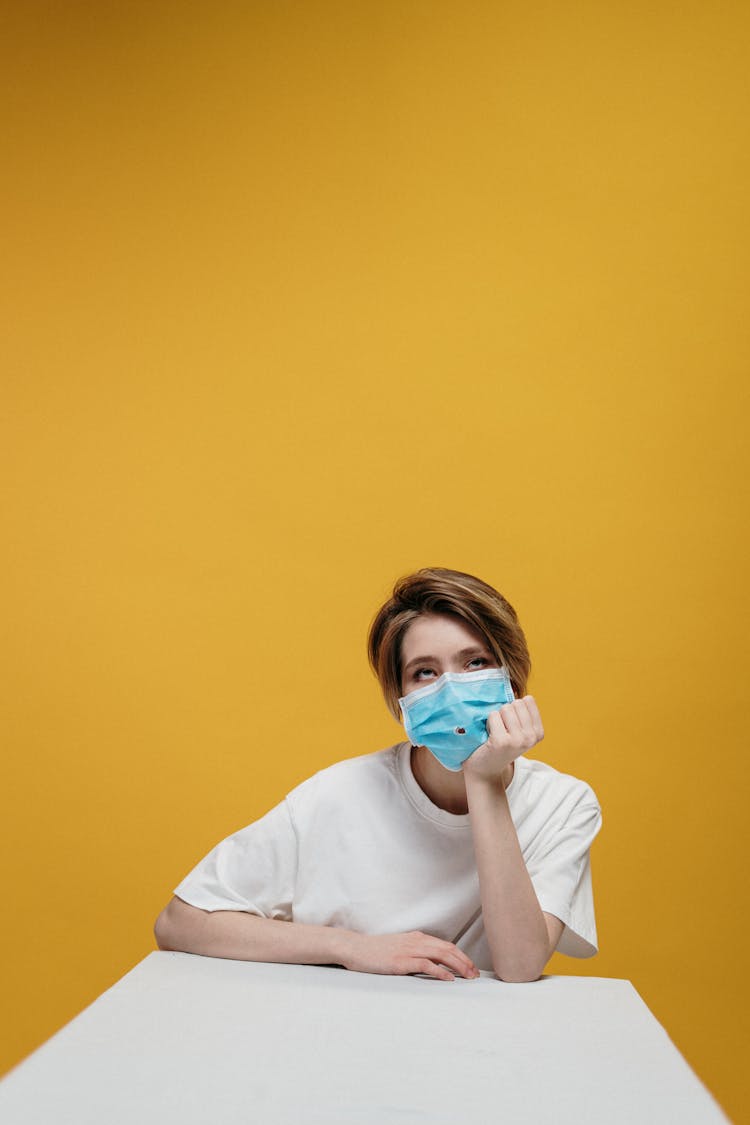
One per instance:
[(509, 715), (431, 969), (496, 728), (536, 718), (453, 957), (526, 721)]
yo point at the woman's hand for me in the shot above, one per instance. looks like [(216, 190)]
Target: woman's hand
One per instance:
[(513, 729), (401, 954)]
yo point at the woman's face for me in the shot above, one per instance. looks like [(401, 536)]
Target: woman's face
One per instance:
[(436, 643)]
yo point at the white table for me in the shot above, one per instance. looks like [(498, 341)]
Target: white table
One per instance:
[(202, 1041)]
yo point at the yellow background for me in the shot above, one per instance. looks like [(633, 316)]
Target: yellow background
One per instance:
[(298, 297)]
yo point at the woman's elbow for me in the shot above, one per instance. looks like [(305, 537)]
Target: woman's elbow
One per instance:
[(519, 973), (522, 966), (517, 978), (161, 931)]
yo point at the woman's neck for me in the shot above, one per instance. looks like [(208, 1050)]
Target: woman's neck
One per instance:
[(445, 788)]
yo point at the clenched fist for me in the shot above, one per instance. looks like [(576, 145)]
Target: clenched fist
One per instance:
[(513, 728)]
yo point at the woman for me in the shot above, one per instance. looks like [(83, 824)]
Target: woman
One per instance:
[(443, 855)]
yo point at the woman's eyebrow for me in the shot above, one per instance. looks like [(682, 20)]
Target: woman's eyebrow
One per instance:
[(473, 651)]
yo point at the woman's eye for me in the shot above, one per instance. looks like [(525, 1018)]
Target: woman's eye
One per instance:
[(419, 672), (478, 660)]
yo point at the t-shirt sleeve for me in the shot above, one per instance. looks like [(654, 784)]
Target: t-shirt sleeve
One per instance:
[(560, 870), (252, 870)]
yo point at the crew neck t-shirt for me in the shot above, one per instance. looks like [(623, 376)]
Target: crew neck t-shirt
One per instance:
[(360, 845)]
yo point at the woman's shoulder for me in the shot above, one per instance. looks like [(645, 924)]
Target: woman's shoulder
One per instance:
[(534, 780), (348, 776)]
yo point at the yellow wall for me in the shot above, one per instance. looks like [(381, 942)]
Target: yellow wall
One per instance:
[(299, 297)]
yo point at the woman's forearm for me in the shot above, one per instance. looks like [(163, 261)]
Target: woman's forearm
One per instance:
[(514, 923), (246, 937)]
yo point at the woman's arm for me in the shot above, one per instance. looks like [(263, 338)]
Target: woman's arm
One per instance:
[(247, 937), (521, 937)]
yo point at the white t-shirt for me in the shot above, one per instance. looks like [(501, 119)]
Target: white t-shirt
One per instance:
[(361, 846)]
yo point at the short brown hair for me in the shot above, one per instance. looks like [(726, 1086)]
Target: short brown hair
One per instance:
[(437, 590)]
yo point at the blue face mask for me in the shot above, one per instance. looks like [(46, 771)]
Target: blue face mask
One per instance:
[(449, 715)]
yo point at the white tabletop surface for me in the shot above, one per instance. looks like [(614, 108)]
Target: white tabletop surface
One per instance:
[(203, 1041)]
